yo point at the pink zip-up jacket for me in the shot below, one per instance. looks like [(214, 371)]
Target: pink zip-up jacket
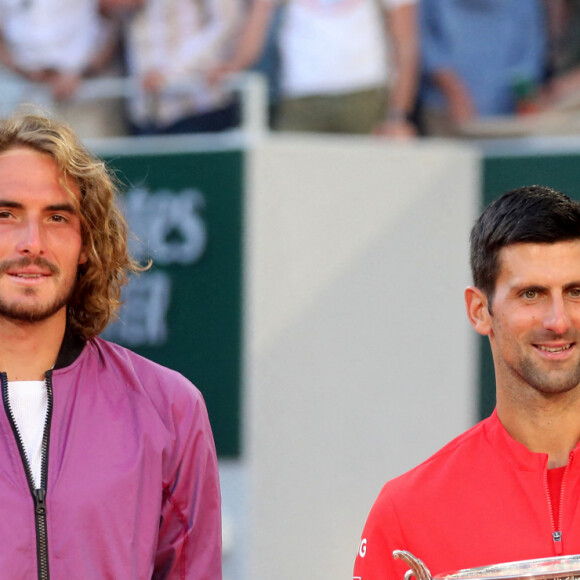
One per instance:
[(482, 499), (129, 481)]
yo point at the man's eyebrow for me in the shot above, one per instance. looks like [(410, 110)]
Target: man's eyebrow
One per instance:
[(66, 207), (541, 288), (531, 286), (10, 203)]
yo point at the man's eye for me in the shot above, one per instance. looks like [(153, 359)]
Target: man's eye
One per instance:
[(58, 218), (5, 214), (530, 294), (575, 292)]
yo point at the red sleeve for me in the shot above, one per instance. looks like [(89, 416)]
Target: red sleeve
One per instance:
[(381, 536)]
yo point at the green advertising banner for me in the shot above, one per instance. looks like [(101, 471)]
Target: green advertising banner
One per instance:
[(185, 210), (505, 172)]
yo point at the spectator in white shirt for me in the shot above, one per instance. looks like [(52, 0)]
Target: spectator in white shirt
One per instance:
[(170, 44), (55, 45), (342, 69)]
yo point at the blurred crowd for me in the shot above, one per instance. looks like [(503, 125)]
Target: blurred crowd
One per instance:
[(398, 68)]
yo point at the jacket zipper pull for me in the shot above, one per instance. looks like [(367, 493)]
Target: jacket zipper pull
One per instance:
[(40, 496), (557, 538), (42, 545)]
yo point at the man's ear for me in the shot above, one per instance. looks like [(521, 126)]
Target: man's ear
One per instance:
[(83, 257), (476, 304)]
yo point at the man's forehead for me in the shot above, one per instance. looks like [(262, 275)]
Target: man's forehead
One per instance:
[(26, 166), (539, 258), (539, 248)]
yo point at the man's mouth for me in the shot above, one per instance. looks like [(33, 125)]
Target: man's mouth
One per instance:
[(26, 268), (561, 348)]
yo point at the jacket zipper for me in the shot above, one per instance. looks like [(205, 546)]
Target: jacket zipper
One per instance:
[(38, 495), (557, 525)]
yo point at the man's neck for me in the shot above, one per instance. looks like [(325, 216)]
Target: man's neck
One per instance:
[(548, 425), (27, 351)]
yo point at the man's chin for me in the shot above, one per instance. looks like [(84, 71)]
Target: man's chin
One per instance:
[(30, 314), (556, 386)]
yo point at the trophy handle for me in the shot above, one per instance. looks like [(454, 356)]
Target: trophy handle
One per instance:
[(418, 570)]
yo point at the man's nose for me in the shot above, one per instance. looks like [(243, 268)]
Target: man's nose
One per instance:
[(31, 239), (556, 318)]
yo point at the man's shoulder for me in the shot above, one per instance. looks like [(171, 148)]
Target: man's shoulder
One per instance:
[(456, 457), (114, 352), (141, 372)]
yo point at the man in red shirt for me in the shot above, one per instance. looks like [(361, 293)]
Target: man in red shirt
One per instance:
[(508, 488)]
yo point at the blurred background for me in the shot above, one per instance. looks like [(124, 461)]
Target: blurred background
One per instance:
[(304, 174)]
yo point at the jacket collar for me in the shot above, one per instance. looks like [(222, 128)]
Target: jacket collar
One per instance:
[(71, 347), (519, 454)]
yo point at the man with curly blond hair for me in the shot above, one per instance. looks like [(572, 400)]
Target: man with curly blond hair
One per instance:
[(107, 461)]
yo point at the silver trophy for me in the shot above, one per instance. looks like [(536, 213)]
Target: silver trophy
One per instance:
[(561, 567)]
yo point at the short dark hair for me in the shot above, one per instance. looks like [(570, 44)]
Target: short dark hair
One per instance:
[(531, 214)]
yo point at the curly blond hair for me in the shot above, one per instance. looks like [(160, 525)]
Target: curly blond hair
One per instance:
[(96, 298)]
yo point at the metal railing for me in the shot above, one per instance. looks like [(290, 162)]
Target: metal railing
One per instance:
[(250, 86)]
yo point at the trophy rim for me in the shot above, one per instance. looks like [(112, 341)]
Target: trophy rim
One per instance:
[(540, 568)]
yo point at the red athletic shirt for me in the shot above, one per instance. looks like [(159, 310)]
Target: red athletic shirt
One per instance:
[(483, 499)]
